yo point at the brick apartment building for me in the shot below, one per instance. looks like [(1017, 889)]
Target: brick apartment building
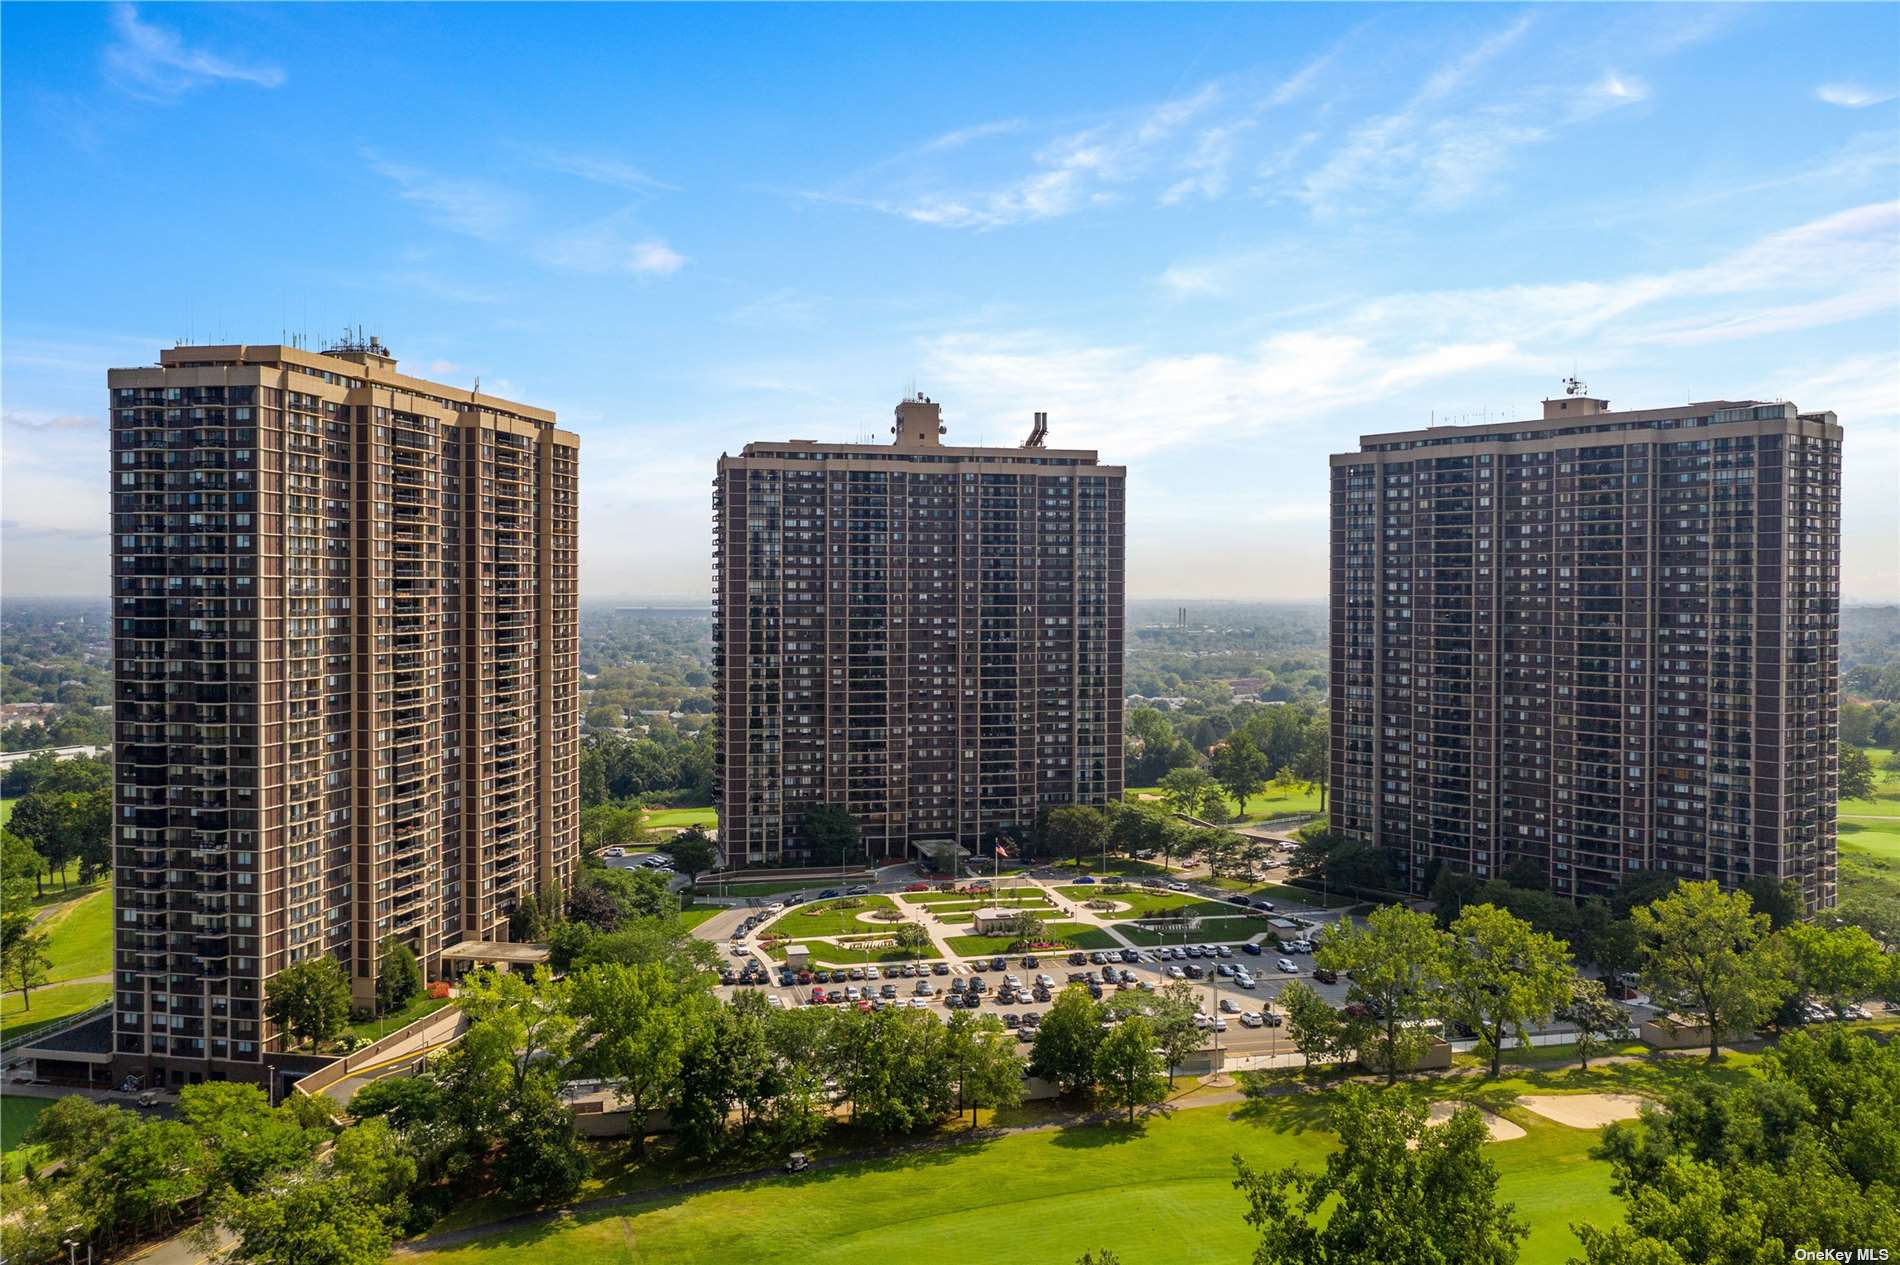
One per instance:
[(346, 667), (1597, 642), (927, 636)]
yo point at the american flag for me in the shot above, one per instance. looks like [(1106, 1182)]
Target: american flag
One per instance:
[(1001, 851)]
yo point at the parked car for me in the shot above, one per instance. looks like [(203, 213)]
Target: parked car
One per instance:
[(1267, 905), (1196, 971), (1251, 948), (1178, 887), (1228, 1006), (1247, 982), (917, 887), (1325, 975), (1030, 961), (939, 968), (1085, 881), (1251, 1019), (999, 964), (1273, 1017), (828, 893), (1286, 964)]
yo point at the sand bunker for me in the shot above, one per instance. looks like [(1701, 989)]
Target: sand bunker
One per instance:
[(1585, 1111), (1502, 1130)]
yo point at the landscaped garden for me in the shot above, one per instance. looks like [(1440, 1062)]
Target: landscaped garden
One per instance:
[(1072, 935), (1144, 902), (832, 917)]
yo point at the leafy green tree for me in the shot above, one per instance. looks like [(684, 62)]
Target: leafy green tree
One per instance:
[(249, 1139), (404, 1101), (1406, 1193), (1316, 1029), (1191, 792), (75, 1127), (1780, 899), (1857, 780), (666, 941), (309, 1000), (1172, 1010), (983, 1062), (1128, 1072), (1841, 964), (913, 939), (1706, 954), (893, 1066), (25, 955), (146, 1180), (541, 1159), (1753, 1171), (1397, 964), (347, 1214), (692, 852), (1076, 832), (398, 975), (1239, 767), (830, 834), (1026, 928), (1502, 978), (1314, 764), (1064, 1050), (633, 1026), (1594, 1016)]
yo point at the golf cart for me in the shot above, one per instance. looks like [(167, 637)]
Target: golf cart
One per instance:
[(797, 1162)]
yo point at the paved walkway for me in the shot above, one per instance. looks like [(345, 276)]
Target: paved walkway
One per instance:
[(441, 1029)]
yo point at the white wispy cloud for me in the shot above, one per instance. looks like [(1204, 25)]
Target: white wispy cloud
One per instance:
[(967, 135), (154, 62), (602, 169), (468, 205), (1440, 151), (1132, 401), (610, 245), (1853, 96)]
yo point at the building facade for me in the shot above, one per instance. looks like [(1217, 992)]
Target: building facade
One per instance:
[(929, 637), (346, 666), (1591, 644)]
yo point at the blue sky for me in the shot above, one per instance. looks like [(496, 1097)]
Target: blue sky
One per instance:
[(1216, 243)]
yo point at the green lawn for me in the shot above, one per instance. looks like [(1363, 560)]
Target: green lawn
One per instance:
[(1886, 797), (1125, 867), (693, 917), (824, 953), (6, 808), (79, 938), (832, 917), (1274, 801), (1145, 902), (1300, 896), (418, 1006), (17, 1113), (1160, 1193), (58, 1001), (708, 817), (1875, 838), (1074, 934), (1007, 896)]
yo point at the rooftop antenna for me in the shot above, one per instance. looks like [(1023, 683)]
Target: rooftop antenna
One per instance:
[(1573, 385)]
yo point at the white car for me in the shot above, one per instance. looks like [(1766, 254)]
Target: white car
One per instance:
[(614, 852), (1178, 887), (1228, 1006), (775, 908), (1251, 1019), (870, 972), (1175, 972), (774, 1001), (1286, 964)]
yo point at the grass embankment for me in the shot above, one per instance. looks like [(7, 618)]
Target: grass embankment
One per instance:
[(48, 1006), (656, 818), (79, 937), (1160, 1192), (415, 1008)]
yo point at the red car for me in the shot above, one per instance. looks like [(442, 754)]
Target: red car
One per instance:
[(917, 887), (818, 997)]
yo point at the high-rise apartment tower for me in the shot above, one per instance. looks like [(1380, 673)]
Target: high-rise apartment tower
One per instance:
[(1591, 644), (926, 636), (345, 672)]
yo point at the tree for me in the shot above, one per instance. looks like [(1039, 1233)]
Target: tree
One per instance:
[(1127, 1068), (1026, 928), (692, 852), (830, 834), (1502, 977), (1076, 831), (1406, 1192), (1191, 792), (309, 1000), (1397, 966), (1841, 964), (398, 975), (145, 1179), (913, 939), (75, 1128), (633, 1030), (1857, 773), (541, 1160), (24, 955), (983, 1062), (249, 1139), (1239, 767), (1780, 899), (1314, 764), (1172, 1011), (1705, 954), (1064, 1049), (1594, 1016), (1316, 1029), (1755, 1171)]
